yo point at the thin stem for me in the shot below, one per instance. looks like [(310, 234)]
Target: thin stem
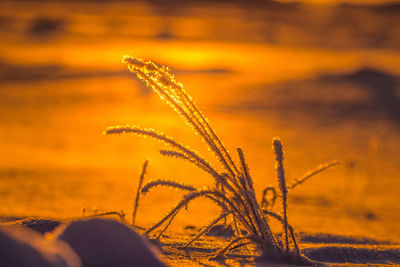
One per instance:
[(207, 228), (168, 224), (310, 174), (220, 253), (280, 173), (136, 203)]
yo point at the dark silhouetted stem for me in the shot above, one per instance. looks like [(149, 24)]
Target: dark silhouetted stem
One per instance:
[(136, 204)]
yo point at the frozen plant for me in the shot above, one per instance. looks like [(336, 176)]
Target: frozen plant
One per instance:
[(233, 188)]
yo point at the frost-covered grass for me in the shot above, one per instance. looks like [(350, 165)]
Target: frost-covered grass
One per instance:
[(233, 189)]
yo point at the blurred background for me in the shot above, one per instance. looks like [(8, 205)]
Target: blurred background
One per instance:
[(322, 75)]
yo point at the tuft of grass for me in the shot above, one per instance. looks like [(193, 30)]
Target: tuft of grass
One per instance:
[(233, 188)]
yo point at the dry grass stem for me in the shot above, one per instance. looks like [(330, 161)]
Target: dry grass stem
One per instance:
[(208, 227), (136, 203), (168, 183), (311, 173), (280, 173)]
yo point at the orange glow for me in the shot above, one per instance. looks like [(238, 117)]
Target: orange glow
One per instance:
[(325, 79)]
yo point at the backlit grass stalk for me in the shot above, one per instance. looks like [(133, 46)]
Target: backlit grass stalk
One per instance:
[(165, 85), (173, 184), (308, 175), (269, 203), (280, 173)]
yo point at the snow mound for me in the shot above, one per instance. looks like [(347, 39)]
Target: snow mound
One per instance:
[(103, 242), (26, 248)]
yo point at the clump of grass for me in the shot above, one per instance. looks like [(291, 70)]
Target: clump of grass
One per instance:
[(233, 188)]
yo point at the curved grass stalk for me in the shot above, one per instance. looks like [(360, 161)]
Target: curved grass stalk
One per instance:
[(169, 183), (160, 81), (311, 173), (163, 138)]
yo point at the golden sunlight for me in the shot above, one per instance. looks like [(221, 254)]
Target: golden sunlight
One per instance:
[(248, 131)]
